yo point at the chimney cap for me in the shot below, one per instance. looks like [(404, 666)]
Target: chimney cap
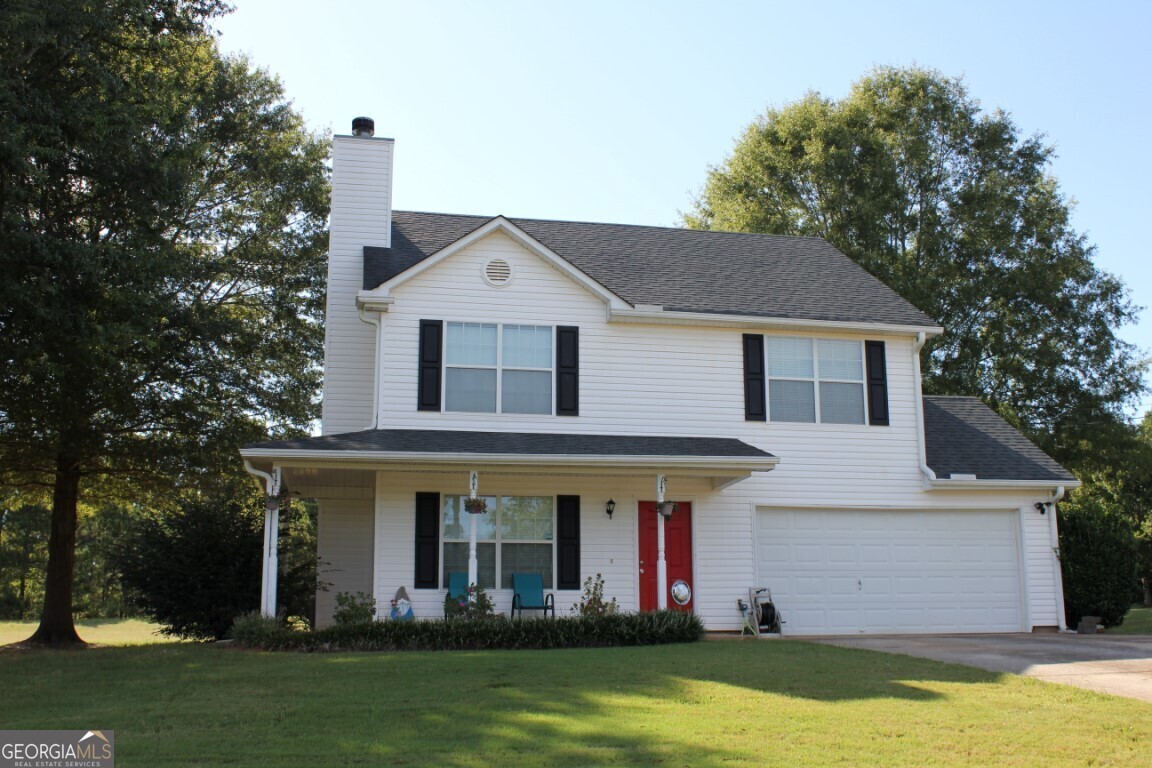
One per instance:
[(363, 126)]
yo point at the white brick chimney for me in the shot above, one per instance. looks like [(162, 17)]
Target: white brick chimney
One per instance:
[(361, 215)]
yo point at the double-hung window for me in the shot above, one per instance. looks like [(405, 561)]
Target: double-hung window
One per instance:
[(491, 368), (515, 535), (815, 380)]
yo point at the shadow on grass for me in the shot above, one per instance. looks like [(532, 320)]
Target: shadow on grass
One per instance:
[(706, 704), (637, 706)]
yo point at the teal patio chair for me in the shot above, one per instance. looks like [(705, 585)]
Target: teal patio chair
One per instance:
[(528, 589), (457, 588)]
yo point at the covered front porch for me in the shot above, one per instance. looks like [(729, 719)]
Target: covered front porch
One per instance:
[(565, 506)]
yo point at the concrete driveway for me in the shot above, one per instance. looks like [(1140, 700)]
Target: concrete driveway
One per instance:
[(1117, 664)]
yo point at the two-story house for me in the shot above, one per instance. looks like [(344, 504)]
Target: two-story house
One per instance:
[(576, 376)]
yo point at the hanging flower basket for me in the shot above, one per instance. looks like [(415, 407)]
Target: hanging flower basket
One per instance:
[(475, 505)]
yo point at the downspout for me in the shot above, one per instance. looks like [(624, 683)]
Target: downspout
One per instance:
[(366, 317), (271, 565), (265, 486), (1054, 541), (921, 438)]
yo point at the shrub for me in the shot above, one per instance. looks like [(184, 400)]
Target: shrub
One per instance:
[(256, 630), (354, 609), (1098, 561), (476, 604), (612, 630), (197, 568), (592, 601)]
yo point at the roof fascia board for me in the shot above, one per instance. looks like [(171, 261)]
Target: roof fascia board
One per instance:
[(380, 297), (664, 317), (301, 458), (944, 484)]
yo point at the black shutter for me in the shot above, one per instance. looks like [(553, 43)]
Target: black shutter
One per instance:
[(568, 542), (427, 541), (754, 406), (431, 342), (567, 370), (877, 383)]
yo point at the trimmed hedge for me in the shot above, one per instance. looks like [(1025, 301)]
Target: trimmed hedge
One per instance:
[(616, 630)]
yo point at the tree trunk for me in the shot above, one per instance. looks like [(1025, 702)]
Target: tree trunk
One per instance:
[(56, 627), (1147, 592)]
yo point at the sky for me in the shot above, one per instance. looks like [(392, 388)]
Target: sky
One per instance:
[(614, 111)]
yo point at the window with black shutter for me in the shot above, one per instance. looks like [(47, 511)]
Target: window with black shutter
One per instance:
[(431, 344), (877, 383), (568, 542), (427, 541), (567, 370), (754, 403)]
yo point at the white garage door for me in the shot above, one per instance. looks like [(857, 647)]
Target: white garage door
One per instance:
[(839, 572)]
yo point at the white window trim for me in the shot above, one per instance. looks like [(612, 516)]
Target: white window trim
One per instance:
[(497, 542), (816, 381), (498, 367)]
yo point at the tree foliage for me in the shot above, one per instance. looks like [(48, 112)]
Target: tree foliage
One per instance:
[(1098, 560), (958, 213), (23, 555), (198, 568), (162, 212)]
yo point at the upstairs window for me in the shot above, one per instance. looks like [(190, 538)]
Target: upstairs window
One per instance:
[(490, 368), (812, 380)]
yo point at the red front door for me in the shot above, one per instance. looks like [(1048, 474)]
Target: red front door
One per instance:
[(677, 553)]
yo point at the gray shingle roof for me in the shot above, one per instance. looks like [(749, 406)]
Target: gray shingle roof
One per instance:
[(964, 436), (684, 270), (526, 443)]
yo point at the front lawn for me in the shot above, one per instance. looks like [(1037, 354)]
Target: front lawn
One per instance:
[(1137, 621), (715, 703), (98, 631)]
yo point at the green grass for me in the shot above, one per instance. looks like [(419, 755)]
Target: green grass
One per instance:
[(98, 631), (709, 704), (1137, 621)]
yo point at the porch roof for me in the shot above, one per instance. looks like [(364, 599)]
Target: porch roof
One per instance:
[(725, 460)]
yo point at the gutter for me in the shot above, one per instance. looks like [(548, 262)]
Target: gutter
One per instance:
[(975, 484), (290, 457), (653, 314)]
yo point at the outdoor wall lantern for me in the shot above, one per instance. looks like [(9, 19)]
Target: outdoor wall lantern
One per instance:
[(610, 507), (1042, 506)]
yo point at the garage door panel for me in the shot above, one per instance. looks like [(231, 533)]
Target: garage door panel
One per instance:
[(846, 572)]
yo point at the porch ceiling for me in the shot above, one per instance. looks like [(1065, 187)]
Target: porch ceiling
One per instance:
[(345, 462)]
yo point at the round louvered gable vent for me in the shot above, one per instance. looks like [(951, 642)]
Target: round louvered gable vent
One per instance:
[(498, 273)]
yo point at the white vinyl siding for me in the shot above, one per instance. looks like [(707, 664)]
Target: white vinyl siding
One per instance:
[(361, 215)]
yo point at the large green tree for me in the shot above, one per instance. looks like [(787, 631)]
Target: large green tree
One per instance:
[(959, 213), (162, 212)]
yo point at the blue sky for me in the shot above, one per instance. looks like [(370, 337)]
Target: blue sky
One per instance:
[(613, 111)]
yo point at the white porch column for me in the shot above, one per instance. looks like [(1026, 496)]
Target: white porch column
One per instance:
[(661, 562), (271, 542), (473, 566)]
